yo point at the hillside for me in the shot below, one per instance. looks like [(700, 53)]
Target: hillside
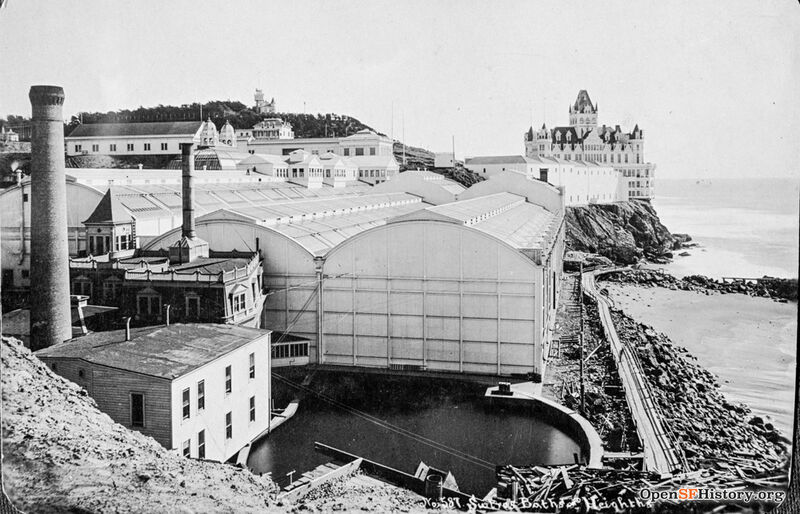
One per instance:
[(238, 114), (415, 157), (62, 454)]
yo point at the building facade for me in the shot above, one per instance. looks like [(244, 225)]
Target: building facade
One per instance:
[(371, 153), (263, 106), (584, 140), (272, 128), (583, 182), (200, 390), (150, 138), (394, 281)]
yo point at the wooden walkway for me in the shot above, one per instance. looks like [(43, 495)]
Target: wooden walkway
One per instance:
[(661, 451)]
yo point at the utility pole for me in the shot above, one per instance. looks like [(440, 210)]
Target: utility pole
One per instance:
[(454, 150), (403, 114)]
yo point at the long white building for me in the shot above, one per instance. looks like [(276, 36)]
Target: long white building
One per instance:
[(583, 182)]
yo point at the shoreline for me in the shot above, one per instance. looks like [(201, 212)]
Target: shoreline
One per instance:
[(718, 330)]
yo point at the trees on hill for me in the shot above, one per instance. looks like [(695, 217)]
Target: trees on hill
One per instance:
[(238, 114)]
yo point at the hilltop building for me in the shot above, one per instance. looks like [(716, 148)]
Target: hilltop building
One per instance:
[(584, 140), (272, 128), (371, 153), (199, 389), (262, 106), (146, 138)]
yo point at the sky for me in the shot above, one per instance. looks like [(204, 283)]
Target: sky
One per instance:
[(712, 84)]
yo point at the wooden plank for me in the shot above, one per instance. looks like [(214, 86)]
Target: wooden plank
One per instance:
[(306, 485)]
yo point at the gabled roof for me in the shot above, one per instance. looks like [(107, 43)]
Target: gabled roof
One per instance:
[(158, 128), (163, 351), (109, 210)]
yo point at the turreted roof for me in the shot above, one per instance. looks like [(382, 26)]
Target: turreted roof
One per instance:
[(583, 102)]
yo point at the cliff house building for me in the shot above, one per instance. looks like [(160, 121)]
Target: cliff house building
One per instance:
[(584, 140)]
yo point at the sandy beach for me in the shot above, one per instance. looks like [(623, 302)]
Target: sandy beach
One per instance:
[(749, 343)]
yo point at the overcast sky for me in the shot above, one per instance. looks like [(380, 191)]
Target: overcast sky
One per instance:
[(714, 85)]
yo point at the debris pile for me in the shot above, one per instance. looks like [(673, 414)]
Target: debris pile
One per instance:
[(605, 406), (580, 489), (780, 289), (712, 432)]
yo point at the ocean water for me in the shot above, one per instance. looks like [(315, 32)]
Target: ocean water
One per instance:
[(745, 227)]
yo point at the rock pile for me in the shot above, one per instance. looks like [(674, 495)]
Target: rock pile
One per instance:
[(713, 433), (780, 289)]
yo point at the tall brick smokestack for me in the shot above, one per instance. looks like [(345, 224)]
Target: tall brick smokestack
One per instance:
[(50, 304)]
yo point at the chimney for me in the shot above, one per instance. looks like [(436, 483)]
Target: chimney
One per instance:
[(50, 302), (189, 247), (187, 189)]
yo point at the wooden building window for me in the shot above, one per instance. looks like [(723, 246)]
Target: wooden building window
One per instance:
[(148, 305), (137, 409), (201, 395), (201, 444), (228, 426), (187, 408), (252, 365), (228, 385), (239, 303), (252, 408), (187, 448)]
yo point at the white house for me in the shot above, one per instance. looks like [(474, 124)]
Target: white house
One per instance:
[(200, 389)]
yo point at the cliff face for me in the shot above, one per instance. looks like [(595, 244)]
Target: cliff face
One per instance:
[(624, 232)]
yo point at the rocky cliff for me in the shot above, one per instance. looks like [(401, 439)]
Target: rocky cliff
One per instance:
[(625, 232)]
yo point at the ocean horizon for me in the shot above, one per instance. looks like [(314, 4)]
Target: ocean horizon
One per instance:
[(744, 227)]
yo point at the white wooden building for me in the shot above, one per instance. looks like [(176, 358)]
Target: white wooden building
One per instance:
[(200, 389)]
